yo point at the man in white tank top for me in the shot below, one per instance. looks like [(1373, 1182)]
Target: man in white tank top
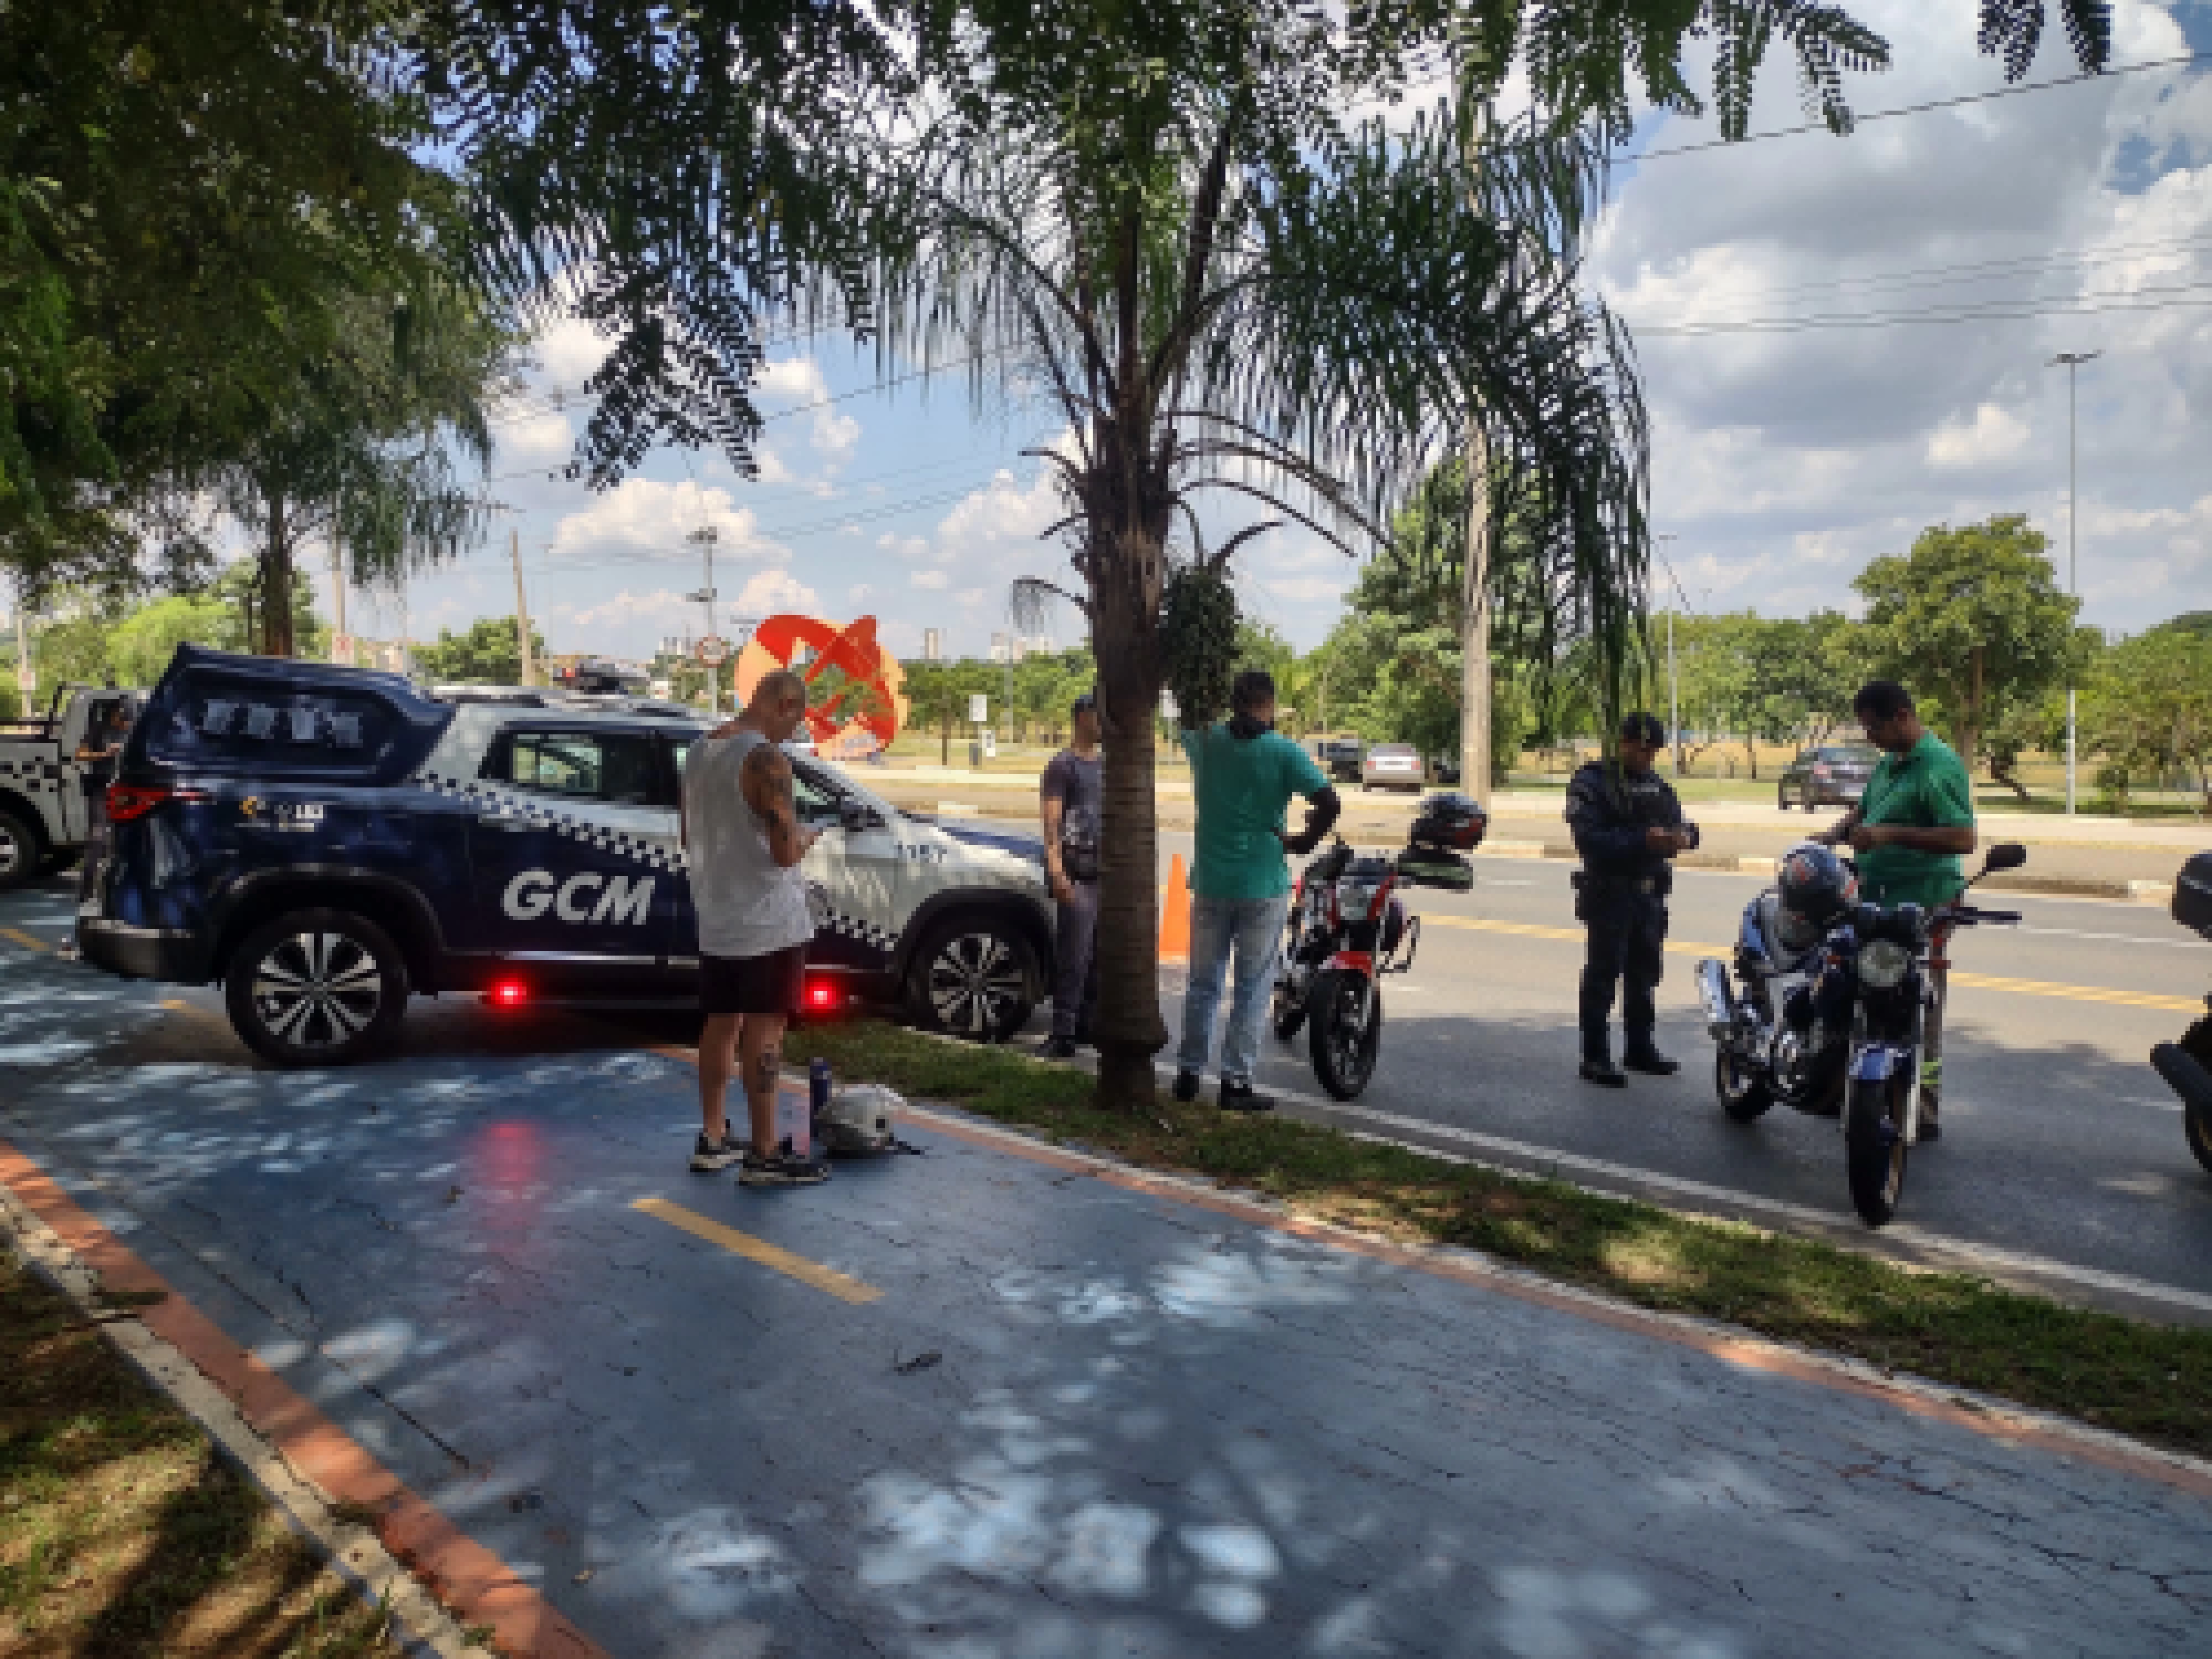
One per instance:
[(743, 842)]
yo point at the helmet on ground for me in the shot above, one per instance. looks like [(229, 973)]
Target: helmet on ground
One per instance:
[(861, 1118), (1816, 888), (1451, 823)]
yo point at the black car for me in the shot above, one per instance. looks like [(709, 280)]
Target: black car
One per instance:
[(1341, 759), (1834, 775)]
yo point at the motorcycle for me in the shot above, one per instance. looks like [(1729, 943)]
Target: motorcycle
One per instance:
[(1834, 1027), (2186, 1065), (1348, 928)]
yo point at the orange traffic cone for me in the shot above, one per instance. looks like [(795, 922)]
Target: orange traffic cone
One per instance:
[(1175, 915)]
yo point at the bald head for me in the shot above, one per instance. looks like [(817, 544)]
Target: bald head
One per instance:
[(778, 705)]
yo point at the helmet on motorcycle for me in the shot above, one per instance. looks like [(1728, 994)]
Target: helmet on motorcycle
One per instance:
[(858, 1120), (1816, 887), (1451, 823)]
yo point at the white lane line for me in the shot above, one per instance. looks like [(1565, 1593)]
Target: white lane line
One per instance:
[(1990, 1256), (2180, 942)]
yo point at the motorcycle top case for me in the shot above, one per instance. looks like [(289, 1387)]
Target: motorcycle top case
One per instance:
[(2192, 894), (215, 713)]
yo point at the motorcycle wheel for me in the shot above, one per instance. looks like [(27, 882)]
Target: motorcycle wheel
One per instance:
[(1287, 1011), (1744, 1097), (1874, 1148), (1343, 1055)]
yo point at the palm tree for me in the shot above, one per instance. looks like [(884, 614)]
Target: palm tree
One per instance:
[(1160, 229)]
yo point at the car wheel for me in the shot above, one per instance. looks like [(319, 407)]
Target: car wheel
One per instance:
[(316, 988), (22, 851), (974, 976)]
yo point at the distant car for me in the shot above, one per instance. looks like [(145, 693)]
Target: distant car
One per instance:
[(1394, 766), (1834, 775), (1340, 758)]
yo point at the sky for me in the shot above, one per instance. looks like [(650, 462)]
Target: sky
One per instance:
[(1842, 342)]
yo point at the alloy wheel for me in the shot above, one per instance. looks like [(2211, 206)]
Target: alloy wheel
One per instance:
[(317, 990), (974, 983)]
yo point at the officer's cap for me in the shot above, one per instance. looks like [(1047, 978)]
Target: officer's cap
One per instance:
[(1644, 728)]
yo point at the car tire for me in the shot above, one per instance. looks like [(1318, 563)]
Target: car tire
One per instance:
[(1781, 799), (22, 851), (974, 976), (316, 988)]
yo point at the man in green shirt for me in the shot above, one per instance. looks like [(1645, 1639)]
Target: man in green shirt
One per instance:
[(1911, 830), (1242, 774)]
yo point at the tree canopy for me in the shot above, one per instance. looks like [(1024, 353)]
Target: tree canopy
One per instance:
[(1972, 621)]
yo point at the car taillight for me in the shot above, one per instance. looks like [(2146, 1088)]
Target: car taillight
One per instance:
[(821, 994), (508, 994), (126, 801), (1822, 772)]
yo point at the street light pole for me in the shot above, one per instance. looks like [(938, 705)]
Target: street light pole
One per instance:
[(2073, 360), (1674, 684), (704, 538)]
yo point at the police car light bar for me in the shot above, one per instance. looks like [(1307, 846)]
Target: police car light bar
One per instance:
[(508, 994)]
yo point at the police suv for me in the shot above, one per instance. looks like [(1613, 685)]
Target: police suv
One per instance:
[(327, 841)]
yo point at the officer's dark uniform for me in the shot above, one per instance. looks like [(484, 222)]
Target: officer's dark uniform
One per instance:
[(1622, 901)]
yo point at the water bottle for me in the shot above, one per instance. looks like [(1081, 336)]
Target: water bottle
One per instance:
[(817, 1091)]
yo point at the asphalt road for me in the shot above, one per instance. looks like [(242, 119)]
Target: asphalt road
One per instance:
[(2060, 1142), (2063, 1163)]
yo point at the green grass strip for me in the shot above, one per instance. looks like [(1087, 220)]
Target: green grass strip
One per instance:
[(2153, 1381)]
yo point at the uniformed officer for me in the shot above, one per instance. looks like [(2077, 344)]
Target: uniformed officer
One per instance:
[(1627, 824)]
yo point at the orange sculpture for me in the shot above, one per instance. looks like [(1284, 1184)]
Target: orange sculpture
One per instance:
[(864, 713)]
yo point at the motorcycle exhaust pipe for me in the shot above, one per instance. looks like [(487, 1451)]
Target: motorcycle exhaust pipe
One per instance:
[(2185, 1075), (1719, 998)]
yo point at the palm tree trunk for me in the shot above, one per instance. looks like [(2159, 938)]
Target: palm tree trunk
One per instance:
[(276, 582), (1126, 1024)]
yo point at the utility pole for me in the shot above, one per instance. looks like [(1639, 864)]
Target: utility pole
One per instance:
[(2073, 360), (521, 607), (1474, 710), (704, 538), (1674, 682)]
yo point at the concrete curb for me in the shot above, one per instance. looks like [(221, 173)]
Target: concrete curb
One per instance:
[(353, 1550)]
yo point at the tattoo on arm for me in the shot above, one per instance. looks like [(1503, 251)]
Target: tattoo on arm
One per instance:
[(768, 792)]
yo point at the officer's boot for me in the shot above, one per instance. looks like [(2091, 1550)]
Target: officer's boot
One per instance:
[(1640, 1053), (1597, 1061)]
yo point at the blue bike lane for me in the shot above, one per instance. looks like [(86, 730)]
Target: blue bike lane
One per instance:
[(998, 1400)]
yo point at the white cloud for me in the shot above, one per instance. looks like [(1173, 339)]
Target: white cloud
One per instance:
[(772, 591), (930, 579), (797, 382), (1992, 436), (545, 438), (645, 518), (569, 350)]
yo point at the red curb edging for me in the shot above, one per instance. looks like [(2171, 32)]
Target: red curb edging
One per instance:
[(479, 1587)]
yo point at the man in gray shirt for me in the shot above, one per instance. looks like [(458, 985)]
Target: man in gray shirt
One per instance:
[(1070, 796), (743, 843)]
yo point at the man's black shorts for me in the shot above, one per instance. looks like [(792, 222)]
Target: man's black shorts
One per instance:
[(753, 985)]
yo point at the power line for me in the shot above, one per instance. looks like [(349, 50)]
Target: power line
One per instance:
[(2162, 299), (1872, 116)]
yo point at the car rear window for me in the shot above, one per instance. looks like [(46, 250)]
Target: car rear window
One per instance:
[(225, 724)]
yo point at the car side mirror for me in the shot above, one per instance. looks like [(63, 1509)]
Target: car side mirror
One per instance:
[(2005, 856), (857, 815)]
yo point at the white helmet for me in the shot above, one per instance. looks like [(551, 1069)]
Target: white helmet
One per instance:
[(861, 1118)]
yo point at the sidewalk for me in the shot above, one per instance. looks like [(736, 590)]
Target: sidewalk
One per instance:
[(998, 1400)]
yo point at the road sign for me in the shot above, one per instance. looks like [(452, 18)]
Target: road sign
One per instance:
[(979, 707), (714, 651)]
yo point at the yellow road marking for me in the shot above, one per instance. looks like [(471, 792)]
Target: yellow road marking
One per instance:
[(842, 1286), (2024, 988), (25, 940)]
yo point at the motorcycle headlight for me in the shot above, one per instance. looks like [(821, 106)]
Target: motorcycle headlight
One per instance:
[(1354, 899), (1883, 964)]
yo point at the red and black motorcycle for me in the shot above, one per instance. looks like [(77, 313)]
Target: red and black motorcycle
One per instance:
[(1349, 927)]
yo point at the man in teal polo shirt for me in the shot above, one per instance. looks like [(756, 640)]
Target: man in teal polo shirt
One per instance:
[(1911, 830), (1242, 774)]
